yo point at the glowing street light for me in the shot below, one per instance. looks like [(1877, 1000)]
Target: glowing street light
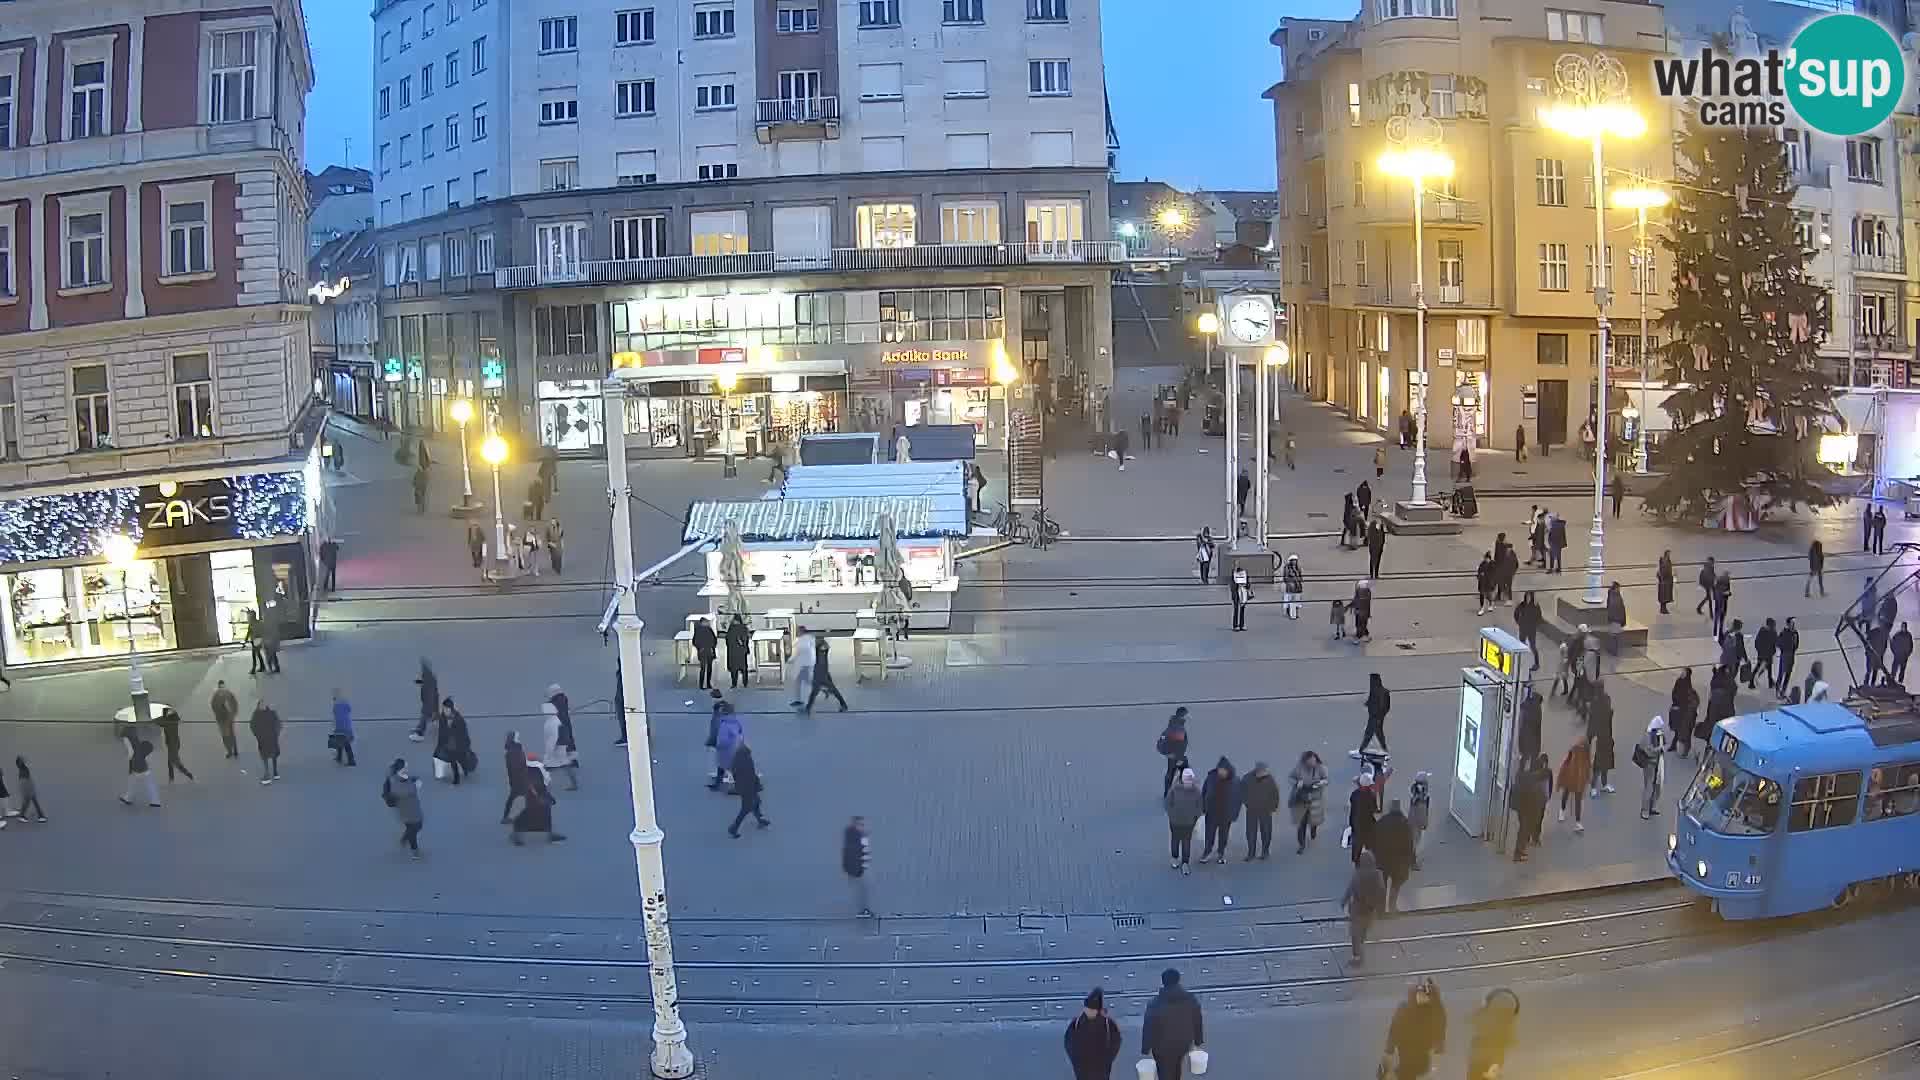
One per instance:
[(1209, 325), (493, 451), (462, 411), (1172, 217), (1278, 354), (1640, 200), (1416, 163), (122, 553)]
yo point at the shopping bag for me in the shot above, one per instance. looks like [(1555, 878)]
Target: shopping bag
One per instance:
[(1113, 455), (1197, 1061), (1346, 837), (1145, 1069), (442, 770)]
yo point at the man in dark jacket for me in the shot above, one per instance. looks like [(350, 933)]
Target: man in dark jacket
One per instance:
[(1788, 645), (557, 698), (1765, 641), (1093, 1039), (1260, 795), (1556, 542), (1393, 849), (1173, 746), (1220, 797), (429, 685), (519, 779), (1172, 1026), (1362, 605), (265, 725), (823, 675), (1379, 701), (1706, 579), (170, 737), (1376, 546), (746, 784), (1528, 740), (1901, 645), (1418, 1032), (225, 708), (1363, 812), (706, 646), (856, 854)]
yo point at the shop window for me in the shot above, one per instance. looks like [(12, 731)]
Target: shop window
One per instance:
[(235, 599), (193, 396), (565, 330), (885, 225), (92, 409), (61, 614)]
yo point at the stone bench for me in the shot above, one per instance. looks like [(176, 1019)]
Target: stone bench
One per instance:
[(1613, 637)]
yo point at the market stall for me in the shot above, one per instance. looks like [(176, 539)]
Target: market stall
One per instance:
[(815, 549)]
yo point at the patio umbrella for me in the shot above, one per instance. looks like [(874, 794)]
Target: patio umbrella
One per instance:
[(889, 569), (902, 449), (733, 568)]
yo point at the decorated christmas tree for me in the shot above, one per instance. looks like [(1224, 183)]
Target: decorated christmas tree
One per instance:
[(1743, 334)]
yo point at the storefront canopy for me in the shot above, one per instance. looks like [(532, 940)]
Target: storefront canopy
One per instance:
[(915, 517), (936, 478)]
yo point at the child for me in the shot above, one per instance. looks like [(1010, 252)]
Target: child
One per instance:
[(29, 795), (1420, 811), (1338, 617)]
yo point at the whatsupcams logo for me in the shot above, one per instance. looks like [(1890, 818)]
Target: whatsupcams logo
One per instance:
[(1843, 75)]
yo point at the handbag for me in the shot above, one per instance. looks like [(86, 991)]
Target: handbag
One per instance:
[(1197, 1061), (1346, 838), (335, 740), (1145, 1069)]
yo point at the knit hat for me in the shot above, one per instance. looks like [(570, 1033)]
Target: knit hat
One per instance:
[(1170, 977), (1096, 999)]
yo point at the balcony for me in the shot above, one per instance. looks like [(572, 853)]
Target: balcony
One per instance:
[(1885, 342), (1436, 212), (1439, 297), (776, 119), (1813, 176), (836, 260), (1892, 265)]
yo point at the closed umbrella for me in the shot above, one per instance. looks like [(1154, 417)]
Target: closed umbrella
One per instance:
[(733, 568), (902, 450), (889, 572)]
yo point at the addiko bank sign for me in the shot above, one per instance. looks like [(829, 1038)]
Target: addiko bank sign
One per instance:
[(959, 354)]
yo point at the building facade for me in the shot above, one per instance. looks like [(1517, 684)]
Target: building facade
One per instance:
[(346, 324), (155, 377), (339, 202), (857, 204)]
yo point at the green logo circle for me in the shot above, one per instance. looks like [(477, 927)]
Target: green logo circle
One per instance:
[(1845, 74)]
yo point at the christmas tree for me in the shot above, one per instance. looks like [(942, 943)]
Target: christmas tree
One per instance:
[(1743, 335)]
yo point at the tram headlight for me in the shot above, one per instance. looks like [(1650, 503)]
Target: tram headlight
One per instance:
[(1673, 841), (1701, 866)]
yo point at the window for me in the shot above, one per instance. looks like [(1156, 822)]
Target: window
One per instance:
[(426, 142), (406, 34), (713, 91), (1360, 276), (230, 81), (1863, 160), (187, 249), (878, 152), (968, 151), (713, 21), (1797, 144), (563, 111), (386, 45), (426, 18), (1046, 10), (450, 75), (483, 253), (430, 205), (635, 167), (1893, 791), (479, 126), (1550, 181), (560, 34), (479, 58), (970, 223), (192, 396), (1876, 314), (1054, 226), (6, 260), (568, 330), (1553, 267), (454, 197), (453, 132), (1410, 9), (557, 174), (86, 239), (1823, 802), (406, 206), (640, 237), (1550, 350), (560, 248), (962, 11), (879, 13), (633, 98), (885, 225), (453, 11), (6, 112), (431, 259), (879, 82), (87, 99), (719, 232), (1353, 104), (406, 150), (386, 215), (92, 409), (1872, 236), (1590, 268), (1359, 184), (482, 188), (1050, 147), (719, 162), (1803, 228), (1470, 335), (1048, 78), (797, 18), (9, 420), (633, 27), (799, 86), (406, 90), (1574, 26), (1440, 96), (966, 78), (426, 81)]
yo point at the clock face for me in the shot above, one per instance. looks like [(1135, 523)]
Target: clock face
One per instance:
[(1250, 321)]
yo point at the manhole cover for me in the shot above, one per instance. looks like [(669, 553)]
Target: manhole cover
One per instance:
[(1314, 515), (1129, 922)]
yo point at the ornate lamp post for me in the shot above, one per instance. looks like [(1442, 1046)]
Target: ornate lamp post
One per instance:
[(1640, 200), (1416, 155), (494, 452), (1209, 326), (122, 552), (462, 412)]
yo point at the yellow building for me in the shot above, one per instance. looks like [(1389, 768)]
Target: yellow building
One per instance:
[(1508, 240)]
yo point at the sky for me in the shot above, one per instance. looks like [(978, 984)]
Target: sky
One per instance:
[(1185, 91)]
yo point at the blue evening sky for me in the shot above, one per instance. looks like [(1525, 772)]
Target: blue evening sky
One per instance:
[(1185, 90)]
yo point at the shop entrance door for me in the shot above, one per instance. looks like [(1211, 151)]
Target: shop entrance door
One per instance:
[(280, 581), (1552, 424), (190, 583)]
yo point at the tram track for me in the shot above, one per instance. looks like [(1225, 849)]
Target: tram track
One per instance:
[(1738, 1059)]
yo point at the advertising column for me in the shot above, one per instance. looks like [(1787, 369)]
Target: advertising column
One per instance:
[(1483, 764)]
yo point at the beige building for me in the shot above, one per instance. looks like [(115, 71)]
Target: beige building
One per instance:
[(1508, 241)]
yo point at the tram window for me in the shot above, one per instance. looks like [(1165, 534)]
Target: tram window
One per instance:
[(1893, 791), (1823, 802)]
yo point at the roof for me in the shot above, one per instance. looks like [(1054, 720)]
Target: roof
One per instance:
[(939, 479), (348, 255), (848, 518), (1141, 196), (320, 184), (1249, 206), (1820, 736)]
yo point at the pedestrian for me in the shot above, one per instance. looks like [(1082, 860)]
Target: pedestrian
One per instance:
[(1420, 812), (556, 754), (802, 676), (1293, 586), (549, 470), (1536, 537), (1363, 811), (706, 645), (1492, 1036), (1576, 772), (1463, 469), (265, 726), (1184, 804), (1527, 618), (451, 743), (739, 650), (530, 548), (1864, 607), (536, 810), (1500, 579), (1902, 647), (1880, 530), (1817, 689), (1379, 702), (1483, 584), (729, 732), (1887, 612), (1722, 598), (1532, 790), (421, 455), (169, 723), (1556, 541), (256, 654), (29, 793), (1172, 1027), (1241, 486), (1307, 799), (856, 857), (519, 782), (225, 708), (1260, 795), (1376, 546), (429, 685), (1708, 575), (1650, 755), (1788, 646), (1816, 569), (1220, 797), (340, 739), (1616, 606), (556, 539), (1766, 642), (1119, 449), (747, 788), (1362, 604), (476, 544), (270, 638), (1363, 500), (339, 457), (1416, 1035), (329, 564), (823, 675), (1568, 676), (1663, 581), (1619, 493), (1379, 462), (536, 507), (420, 489), (1393, 850), (1519, 442), (557, 698), (1093, 1039), (1366, 894), (139, 772), (401, 791), (1349, 519), (1242, 596), (1683, 712), (1203, 554), (1733, 650), (1146, 431), (1600, 734), (1290, 450), (1337, 615)]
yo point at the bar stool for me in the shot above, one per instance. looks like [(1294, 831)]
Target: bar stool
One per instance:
[(769, 654), (683, 657), (869, 650)]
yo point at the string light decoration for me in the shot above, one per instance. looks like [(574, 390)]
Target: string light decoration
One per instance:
[(72, 525), (267, 505)]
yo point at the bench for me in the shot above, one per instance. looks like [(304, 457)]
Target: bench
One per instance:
[(1613, 637)]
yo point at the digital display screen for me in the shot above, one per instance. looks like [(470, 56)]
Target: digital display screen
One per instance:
[(1466, 758), (1496, 657)]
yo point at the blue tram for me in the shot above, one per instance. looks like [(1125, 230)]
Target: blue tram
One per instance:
[(1803, 807)]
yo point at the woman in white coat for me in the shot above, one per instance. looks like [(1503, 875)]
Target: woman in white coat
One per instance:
[(554, 755), (802, 677)]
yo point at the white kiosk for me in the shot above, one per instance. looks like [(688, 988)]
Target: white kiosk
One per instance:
[(1483, 762)]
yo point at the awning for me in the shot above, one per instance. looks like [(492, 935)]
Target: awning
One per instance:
[(851, 518), (935, 478)]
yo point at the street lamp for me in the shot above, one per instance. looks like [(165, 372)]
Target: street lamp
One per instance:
[(1005, 374), (1593, 105), (726, 379), (122, 553), (1209, 326), (1415, 163), (462, 411), (493, 451), (1640, 200)]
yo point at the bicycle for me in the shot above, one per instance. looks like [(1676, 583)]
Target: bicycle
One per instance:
[(1045, 530), (1009, 526)]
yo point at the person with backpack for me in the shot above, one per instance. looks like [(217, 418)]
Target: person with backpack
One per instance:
[(1493, 1034), (1093, 1039), (139, 772), (401, 792), (1366, 894), (1416, 1035), (1172, 745)]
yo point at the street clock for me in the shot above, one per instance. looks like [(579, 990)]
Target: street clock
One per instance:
[(1248, 319)]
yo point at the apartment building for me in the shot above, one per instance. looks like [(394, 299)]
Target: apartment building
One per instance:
[(859, 203), (155, 376)]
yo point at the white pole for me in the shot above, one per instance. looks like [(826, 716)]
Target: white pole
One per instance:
[(1262, 442), (466, 471), (1596, 546), (136, 683), (1420, 343), (1646, 362), (672, 1060), (499, 521), (1233, 447)]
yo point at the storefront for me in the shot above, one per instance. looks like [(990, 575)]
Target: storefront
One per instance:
[(927, 383), (213, 552)]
